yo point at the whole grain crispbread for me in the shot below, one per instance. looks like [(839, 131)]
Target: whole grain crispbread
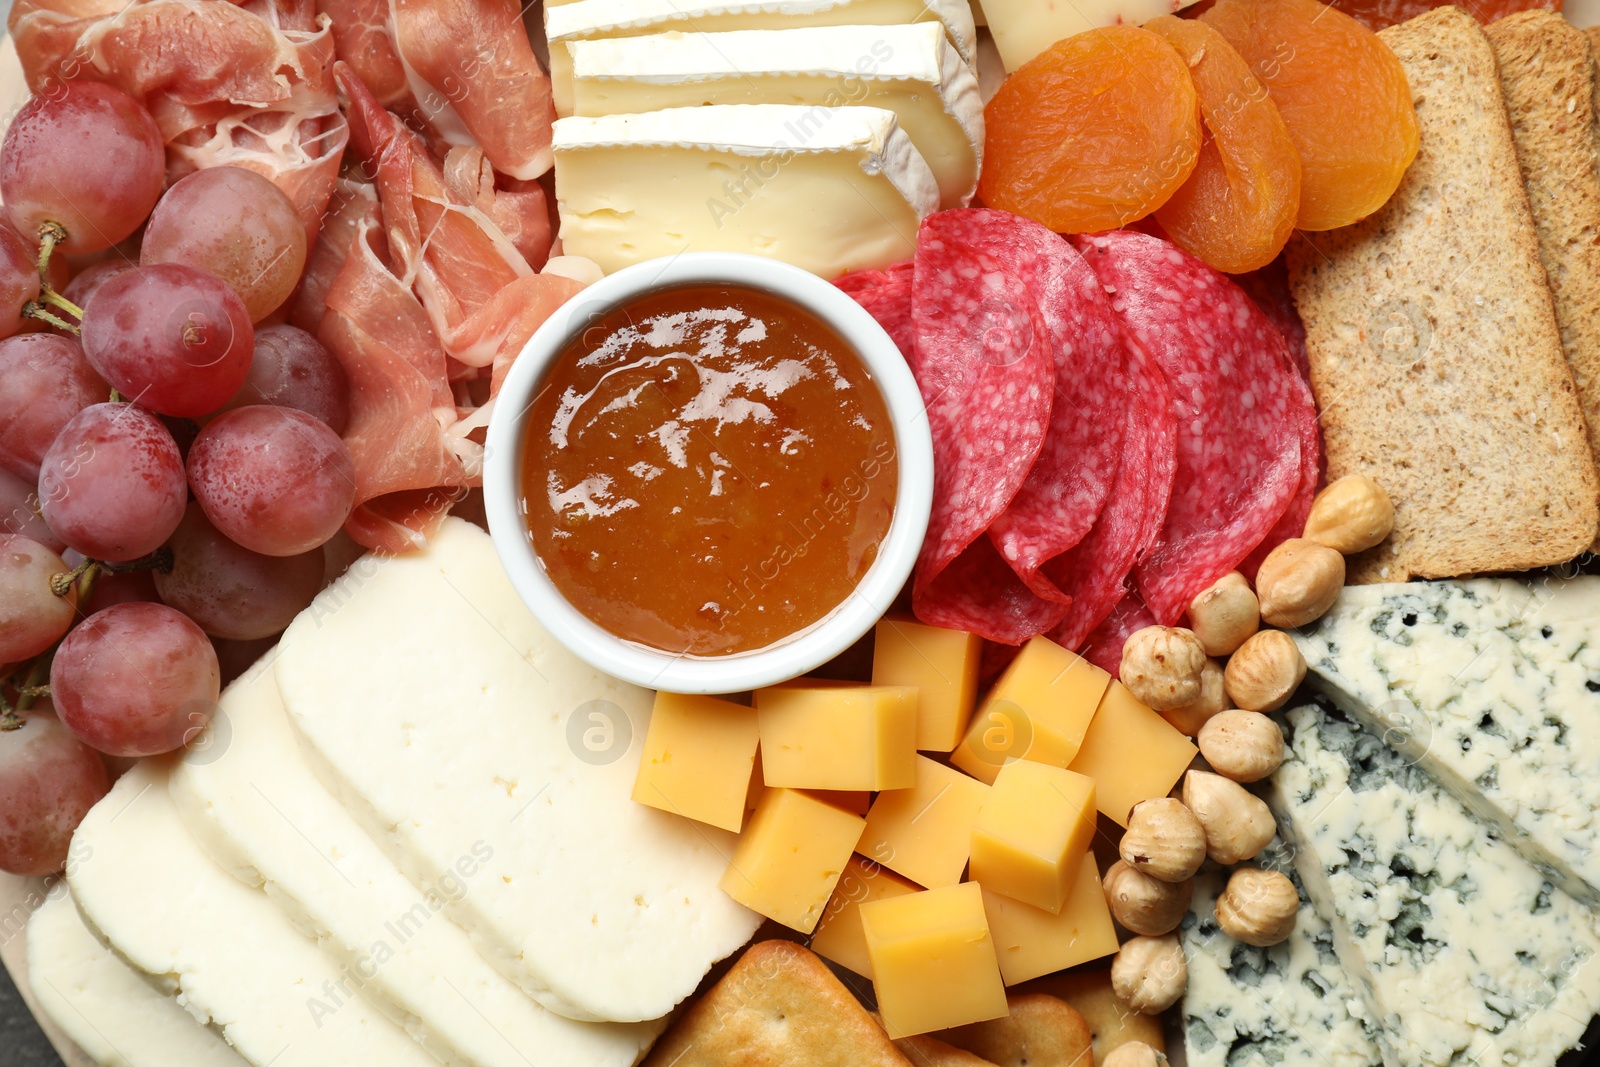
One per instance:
[(1548, 77), (1435, 355)]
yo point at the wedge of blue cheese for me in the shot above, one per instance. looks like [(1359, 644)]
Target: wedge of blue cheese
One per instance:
[(1290, 1005), (1465, 953), (1492, 686)]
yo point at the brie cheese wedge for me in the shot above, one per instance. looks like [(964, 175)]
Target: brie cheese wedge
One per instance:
[(106, 1007), (826, 189), (250, 800), (591, 19), (231, 958), (458, 731), (1024, 28), (910, 70)]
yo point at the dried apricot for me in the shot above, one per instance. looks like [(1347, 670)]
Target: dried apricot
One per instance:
[(1238, 208), (1342, 94), (1378, 14), (1094, 132)]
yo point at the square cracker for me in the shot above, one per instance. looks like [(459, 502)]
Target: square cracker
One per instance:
[(778, 1005)]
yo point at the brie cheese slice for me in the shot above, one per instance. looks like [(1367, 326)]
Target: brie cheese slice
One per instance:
[(910, 70), (231, 958), (253, 804), (826, 189), (591, 19), (1024, 28), (106, 1007), (455, 728)]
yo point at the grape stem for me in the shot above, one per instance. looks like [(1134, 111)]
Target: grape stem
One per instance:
[(49, 295), (35, 310), (35, 685), (61, 584), (50, 235), (90, 569)]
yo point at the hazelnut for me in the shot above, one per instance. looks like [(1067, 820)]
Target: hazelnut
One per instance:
[(1237, 823), (1351, 515), (1265, 671), (1213, 699), (1161, 666), (1224, 615), (1258, 907), (1298, 582), (1243, 745), (1134, 1054), (1164, 840), (1143, 904), (1149, 973)]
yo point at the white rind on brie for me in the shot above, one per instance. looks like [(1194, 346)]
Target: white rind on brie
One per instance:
[(910, 70), (250, 800), (455, 728), (590, 19), (827, 189), (1492, 686), (107, 1008), (229, 955), (1467, 955)]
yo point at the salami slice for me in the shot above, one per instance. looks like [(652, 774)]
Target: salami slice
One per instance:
[(886, 295), (1234, 399), (1293, 521), (1104, 649), (983, 361), (1269, 288), (1068, 484), (1094, 573)]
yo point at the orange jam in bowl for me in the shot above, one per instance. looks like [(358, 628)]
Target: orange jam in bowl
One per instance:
[(707, 469)]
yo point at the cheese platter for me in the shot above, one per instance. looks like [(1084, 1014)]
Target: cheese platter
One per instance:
[(834, 532)]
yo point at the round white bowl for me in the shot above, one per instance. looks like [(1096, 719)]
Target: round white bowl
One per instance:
[(681, 672)]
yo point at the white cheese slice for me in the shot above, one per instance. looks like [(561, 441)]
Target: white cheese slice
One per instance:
[(1024, 28), (250, 800), (589, 19), (1466, 954), (1493, 687), (910, 70), (828, 190), (107, 1008), (452, 725), (230, 956)]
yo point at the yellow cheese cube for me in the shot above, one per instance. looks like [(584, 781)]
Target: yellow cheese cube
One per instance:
[(838, 737), (1132, 754), (699, 754), (1030, 941), (790, 857), (1033, 832), (839, 936), (1039, 710), (942, 665), (855, 801), (933, 961), (925, 832)]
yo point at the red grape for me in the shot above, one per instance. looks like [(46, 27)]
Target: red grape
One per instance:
[(112, 484), (275, 480), (135, 680), (292, 369), (19, 280), (230, 591), (171, 338), (81, 289), (126, 588), (235, 224), (44, 382), (32, 618), (88, 158), (48, 781), (19, 512)]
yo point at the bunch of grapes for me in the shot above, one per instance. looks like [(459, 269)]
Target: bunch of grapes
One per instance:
[(170, 458)]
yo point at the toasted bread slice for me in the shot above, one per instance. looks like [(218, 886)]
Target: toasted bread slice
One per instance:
[(1435, 354), (1548, 77), (778, 1005)]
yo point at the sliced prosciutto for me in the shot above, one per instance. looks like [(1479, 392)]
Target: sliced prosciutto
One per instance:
[(1239, 409), (1072, 477), (481, 296), (1094, 573), (983, 362)]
